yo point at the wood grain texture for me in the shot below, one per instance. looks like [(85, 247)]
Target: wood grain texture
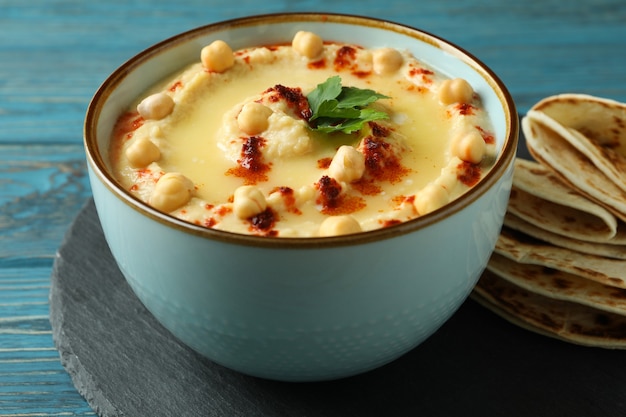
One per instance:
[(40, 188), (55, 53)]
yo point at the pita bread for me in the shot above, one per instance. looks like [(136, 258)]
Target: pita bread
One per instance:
[(522, 248), (611, 249), (558, 267), (550, 143), (598, 129), (541, 198), (564, 320), (559, 285)]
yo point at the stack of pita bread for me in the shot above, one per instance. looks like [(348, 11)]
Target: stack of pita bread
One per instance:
[(559, 266)]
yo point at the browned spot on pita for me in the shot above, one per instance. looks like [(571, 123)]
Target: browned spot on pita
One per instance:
[(561, 283), (539, 172), (619, 294), (547, 321), (593, 274)]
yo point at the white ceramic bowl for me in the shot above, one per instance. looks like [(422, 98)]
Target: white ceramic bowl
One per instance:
[(310, 308)]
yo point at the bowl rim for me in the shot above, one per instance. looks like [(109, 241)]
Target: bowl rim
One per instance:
[(502, 163)]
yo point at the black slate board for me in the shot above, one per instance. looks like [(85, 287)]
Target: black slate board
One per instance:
[(125, 364)]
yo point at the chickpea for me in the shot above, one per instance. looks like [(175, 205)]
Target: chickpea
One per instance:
[(304, 194), (253, 118), (347, 165), (248, 201), (172, 191), (387, 60), (308, 44), (339, 225), (142, 152), (217, 56), (156, 106), (276, 201), (469, 147), (430, 198), (457, 90)]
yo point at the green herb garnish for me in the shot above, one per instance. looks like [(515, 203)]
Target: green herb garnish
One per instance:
[(336, 108)]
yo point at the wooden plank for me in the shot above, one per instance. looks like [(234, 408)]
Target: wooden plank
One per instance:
[(32, 380), (41, 190)]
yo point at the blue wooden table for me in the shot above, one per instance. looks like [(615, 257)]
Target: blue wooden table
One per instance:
[(55, 53)]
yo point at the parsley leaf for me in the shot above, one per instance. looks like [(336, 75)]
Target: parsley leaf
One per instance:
[(336, 108)]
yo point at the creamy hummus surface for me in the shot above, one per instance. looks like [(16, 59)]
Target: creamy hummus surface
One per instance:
[(232, 143)]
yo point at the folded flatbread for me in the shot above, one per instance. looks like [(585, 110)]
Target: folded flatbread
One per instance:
[(598, 128), (608, 250), (583, 140), (564, 320), (539, 197), (559, 285), (523, 248), (559, 267)]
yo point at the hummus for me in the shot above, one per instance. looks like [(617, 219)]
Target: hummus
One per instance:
[(230, 142)]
